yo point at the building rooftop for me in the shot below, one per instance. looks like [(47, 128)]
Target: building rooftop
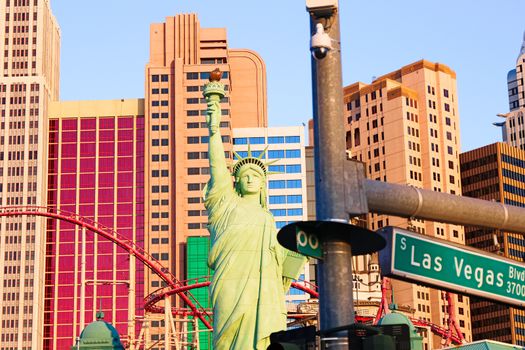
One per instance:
[(487, 345)]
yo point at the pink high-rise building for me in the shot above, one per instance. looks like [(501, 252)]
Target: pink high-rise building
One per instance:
[(96, 169)]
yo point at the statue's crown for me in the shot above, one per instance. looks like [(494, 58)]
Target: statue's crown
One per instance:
[(257, 161)]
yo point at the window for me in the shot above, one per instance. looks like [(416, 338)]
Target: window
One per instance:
[(276, 184), (256, 140), (155, 78), (240, 141), (447, 121), (450, 150), (192, 100), (292, 139), (277, 199), (295, 212), (294, 198), (445, 92), (293, 153), (192, 76), (155, 91), (164, 77), (273, 154), (293, 168), (274, 139), (293, 184), (447, 107)]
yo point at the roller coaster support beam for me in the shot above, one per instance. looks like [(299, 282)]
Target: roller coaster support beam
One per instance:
[(167, 322), (83, 280), (131, 301)]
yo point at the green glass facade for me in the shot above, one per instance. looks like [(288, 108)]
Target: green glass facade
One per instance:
[(197, 249)]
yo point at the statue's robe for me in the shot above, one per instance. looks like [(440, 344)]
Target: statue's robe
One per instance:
[(247, 291)]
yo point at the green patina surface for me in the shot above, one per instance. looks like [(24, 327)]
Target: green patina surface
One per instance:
[(248, 286)]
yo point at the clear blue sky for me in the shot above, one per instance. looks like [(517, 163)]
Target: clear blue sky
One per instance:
[(105, 47)]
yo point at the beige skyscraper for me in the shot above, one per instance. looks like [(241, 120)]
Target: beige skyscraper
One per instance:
[(182, 54), (29, 80), (405, 127)]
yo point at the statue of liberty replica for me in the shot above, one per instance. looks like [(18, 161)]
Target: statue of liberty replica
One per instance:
[(252, 272)]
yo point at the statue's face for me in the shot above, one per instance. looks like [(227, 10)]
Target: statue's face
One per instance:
[(250, 181)]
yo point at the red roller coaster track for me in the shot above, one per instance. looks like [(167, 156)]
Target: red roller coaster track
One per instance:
[(122, 242), (182, 288)]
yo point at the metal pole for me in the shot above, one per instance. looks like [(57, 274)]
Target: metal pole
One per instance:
[(131, 301), (406, 201), (336, 305), (83, 280), (167, 314)]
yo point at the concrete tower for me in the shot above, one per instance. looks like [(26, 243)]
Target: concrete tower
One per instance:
[(30, 43), (182, 54)]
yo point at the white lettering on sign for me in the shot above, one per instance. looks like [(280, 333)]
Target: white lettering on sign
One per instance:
[(428, 262), (313, 241), (480, 275), (302, 239)]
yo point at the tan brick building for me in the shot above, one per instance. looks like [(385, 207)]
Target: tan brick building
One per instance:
[(405, 127), (30, 46)]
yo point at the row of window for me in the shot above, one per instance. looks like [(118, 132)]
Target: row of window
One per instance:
[(262, 140), (159, 127), (159, 202), (203, 125), (513, 175), (164, 240), (160, 142), (285, 169), (514, 190), (287, 212), (272, 154), (281, 184), (160, 215), (203, 75), (289, 199), (205, 139), (156, 78), (159, 103)]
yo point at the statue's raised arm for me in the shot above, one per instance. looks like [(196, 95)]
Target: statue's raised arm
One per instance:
[(214, 91)]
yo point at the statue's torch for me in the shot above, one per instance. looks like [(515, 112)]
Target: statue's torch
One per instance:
[(213, 92)]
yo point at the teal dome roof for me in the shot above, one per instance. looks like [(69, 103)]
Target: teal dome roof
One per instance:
[(100, 330), (397, 318), (99, 335)]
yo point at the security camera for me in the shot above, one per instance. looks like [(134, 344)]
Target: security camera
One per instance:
[(320, 43)]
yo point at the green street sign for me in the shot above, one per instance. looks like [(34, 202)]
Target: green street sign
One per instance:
[(446, 265), (308, 244)]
